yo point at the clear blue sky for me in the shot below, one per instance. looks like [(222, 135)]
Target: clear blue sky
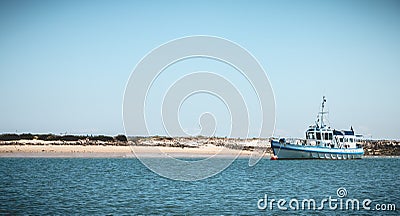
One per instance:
[(64, 64)]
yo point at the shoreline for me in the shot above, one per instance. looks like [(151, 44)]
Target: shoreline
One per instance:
[(380, 156), (108, 151), (100, 151)]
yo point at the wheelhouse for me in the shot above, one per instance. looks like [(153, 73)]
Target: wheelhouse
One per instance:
[(317, 136)]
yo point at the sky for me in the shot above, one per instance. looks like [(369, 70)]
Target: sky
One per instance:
[(64, 65)]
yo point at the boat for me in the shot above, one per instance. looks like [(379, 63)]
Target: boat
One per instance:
[(321, 142)]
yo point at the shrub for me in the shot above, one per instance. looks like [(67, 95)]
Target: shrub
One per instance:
[(27, 136), (121, 138), (102, 138), (9, 137)]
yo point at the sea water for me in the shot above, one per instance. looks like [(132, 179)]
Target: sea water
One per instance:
[(116, 186)]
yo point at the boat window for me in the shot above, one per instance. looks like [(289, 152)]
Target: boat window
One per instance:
[(318, 136), (351, 140), (341, 139), (326, 136), (330, 136)]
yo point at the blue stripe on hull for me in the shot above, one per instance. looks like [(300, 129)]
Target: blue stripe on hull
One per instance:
[(289, 151)]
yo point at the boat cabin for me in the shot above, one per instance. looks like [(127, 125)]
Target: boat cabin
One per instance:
[(317, 136), (326, 137), (345, 139)]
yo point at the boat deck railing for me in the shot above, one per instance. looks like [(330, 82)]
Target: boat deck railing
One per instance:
[(292, 140)]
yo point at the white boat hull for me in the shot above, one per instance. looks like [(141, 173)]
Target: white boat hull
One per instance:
[(293, 151)]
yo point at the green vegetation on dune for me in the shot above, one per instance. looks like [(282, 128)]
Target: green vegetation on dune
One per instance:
[(53, 137)]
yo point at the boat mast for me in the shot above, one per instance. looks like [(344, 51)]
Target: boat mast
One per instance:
[(322, 112)]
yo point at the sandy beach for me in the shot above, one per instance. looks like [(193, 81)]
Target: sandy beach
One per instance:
[(142, 147), (120, 151)]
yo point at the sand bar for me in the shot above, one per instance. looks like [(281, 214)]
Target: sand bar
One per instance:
[(93, 151)]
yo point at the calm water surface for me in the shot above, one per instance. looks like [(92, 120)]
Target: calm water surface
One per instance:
[(125, 186)]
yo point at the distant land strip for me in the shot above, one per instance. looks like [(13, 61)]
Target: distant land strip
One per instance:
[(371, 147)]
